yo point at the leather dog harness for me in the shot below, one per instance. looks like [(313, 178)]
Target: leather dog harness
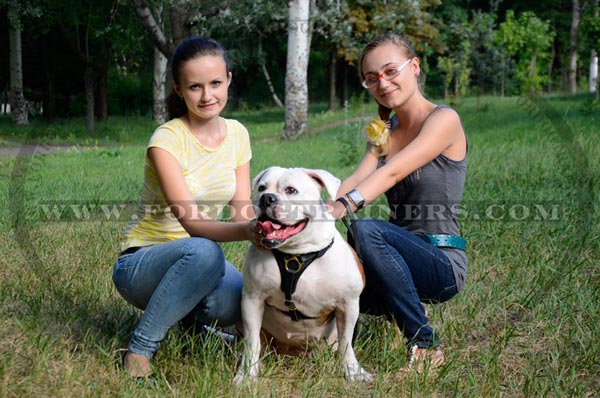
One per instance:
[(291, 267)]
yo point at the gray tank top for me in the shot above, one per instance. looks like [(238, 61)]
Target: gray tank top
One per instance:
[(428, 200)]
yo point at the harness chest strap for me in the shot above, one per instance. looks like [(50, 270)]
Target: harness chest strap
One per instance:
[(291, 267)]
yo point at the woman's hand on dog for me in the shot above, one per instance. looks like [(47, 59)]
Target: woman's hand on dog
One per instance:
[(255, 234), (336, 209)]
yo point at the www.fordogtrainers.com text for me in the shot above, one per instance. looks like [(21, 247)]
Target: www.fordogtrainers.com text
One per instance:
[(60, 211)]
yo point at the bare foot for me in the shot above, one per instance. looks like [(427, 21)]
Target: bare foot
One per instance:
[(136, 365)]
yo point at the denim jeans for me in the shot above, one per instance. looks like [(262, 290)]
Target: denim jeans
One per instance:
[(184, 278), (402, 271)]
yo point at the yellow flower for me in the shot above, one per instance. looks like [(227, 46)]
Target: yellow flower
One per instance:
[(377, 133)]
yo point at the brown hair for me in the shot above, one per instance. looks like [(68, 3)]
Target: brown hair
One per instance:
[(388, 38), (188, 49)]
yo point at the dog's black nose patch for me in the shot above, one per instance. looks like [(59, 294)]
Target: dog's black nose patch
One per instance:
[(266, 200)]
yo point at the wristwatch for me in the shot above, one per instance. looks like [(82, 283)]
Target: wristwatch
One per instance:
[(356, 198)]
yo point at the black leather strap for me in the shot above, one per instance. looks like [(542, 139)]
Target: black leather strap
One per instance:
[(291, 267), (351, 223)]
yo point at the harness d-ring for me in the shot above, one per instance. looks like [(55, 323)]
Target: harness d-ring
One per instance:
[(291, 267), (293, 259)]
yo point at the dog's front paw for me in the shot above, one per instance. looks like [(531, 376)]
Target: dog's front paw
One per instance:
[(362, 376), (241, 379)]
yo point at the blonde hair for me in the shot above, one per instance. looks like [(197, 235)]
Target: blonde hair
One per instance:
[(388, 38)]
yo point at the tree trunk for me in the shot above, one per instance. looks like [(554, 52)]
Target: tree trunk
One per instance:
[(593, 76), (573, 54), (265, 72), (159, 78), (455, 93), (532, 64), (594, 82), (479, 89), (182, 22), (263, 67), (296, 92), (332, 79), (102, 94), (153, 28), (179, 26), (345, 89), (502, 77), (597, 89), (550, 67), (50, 108), (18, 104), (89, 97)]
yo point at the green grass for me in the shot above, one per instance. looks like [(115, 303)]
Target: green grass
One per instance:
[(525, 325)]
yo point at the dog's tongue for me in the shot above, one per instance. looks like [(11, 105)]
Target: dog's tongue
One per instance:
[(271, 230), (268, 227)]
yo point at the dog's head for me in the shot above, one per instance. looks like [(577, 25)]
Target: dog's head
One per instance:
[(290, 210)]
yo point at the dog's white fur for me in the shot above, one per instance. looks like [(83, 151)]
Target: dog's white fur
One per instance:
[(328, 290)]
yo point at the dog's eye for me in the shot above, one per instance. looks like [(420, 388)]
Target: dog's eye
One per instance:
[(262, 188), (291, 190)]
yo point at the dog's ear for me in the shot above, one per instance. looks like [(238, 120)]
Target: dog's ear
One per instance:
[(258, 177), (325, 180)]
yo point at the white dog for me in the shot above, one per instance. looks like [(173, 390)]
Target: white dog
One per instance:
[(307, 287)]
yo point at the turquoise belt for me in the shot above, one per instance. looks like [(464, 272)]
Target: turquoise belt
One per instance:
[(444, 240)]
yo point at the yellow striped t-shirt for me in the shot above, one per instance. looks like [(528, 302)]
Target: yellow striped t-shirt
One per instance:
[(208, 172)]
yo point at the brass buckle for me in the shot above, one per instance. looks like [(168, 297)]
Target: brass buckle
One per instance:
[(291, 305), (293, 259)]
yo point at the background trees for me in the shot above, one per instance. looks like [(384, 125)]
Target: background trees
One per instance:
[(529, 38), (96, 59), (591, 31), (17, 99), (296, 93)]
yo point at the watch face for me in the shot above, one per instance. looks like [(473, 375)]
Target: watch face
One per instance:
[(356, 197)]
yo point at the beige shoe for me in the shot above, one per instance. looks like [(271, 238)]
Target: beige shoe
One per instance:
[(421, 359), (137, 366)]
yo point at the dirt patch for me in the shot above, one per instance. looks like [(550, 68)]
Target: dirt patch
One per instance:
[(35, 149)]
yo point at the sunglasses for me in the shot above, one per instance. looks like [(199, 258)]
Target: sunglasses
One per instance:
[(388, 73)]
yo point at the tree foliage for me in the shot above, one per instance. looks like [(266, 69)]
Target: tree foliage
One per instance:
[(412, 19), (529, 38), (590, 28), (466, 47)]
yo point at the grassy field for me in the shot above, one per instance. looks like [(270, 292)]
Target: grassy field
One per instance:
[(525, 325)]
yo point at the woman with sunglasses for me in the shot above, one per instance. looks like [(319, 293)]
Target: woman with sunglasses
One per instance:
[(417, 158)]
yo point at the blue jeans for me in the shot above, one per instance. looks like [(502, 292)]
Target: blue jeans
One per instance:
[(402, 271), (184, 278)]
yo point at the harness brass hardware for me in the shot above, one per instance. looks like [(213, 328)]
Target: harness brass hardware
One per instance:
[(291, 267), (293, 259)]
